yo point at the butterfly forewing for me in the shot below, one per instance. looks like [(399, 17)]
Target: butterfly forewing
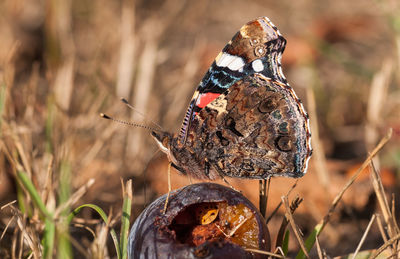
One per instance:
[(257, 47)]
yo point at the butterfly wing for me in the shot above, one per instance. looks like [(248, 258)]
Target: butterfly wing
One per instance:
[(258, 128), (256, 48)]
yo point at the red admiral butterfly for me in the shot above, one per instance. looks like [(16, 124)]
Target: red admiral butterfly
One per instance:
[(244, 120)]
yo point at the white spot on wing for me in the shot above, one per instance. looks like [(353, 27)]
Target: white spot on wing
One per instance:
[(234, 63), (224, 59), (237, 64), (257, 65)]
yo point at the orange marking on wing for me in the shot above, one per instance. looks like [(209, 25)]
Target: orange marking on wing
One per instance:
[(205, 99)]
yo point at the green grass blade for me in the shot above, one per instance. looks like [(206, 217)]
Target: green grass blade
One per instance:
[(64, 248), (126, 214), (21, 200), (26, 182), (2, 101), (285, 243), (49, 227), (65, 183), (310, 241), (48, 238), (103, 215), (49, 124)]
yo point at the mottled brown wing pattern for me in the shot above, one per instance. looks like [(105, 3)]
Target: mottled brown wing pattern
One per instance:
[(257, 129), (244, 120)]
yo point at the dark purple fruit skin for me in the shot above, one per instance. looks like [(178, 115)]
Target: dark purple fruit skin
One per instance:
[(150, 236)]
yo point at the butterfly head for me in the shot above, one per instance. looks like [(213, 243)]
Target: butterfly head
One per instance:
[(164, 141)]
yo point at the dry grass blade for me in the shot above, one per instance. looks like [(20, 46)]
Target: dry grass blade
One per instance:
[(14, 244), (99, 244), (394, 213), (27, 234), (127, 49), (282, 230), (74, 197), (280, 203), (388, 214), (381, 229), (264, 253), (338, 197), (105, 218), (79, 247), (21, 243), (320, 226), (383, 203), (144, 84), (63, 83), (78, 225), (23, 155), (318, 150), (8, 204), (384, 246), (377, 100), (98, 145), (279, 249), (320, 255), (364, 236), (5, 229), (7, 152), (289, 216)]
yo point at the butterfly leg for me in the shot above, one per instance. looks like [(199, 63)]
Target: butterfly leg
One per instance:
[(169, 187)]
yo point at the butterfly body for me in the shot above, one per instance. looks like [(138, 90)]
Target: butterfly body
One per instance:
[(244, 120)]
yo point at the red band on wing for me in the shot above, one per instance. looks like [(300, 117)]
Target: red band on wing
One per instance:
[(206, 98)]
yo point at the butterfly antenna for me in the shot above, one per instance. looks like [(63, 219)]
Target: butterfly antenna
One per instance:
[(105, 116), (137, 111)]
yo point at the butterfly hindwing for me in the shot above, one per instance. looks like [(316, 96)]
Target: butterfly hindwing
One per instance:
[(253, 130)]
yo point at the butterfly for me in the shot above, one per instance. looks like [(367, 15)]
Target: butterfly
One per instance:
[(244, 120)]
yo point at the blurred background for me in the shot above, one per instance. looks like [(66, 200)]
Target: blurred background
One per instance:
[(62, 62)]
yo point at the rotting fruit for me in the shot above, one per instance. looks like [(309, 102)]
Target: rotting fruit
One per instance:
[(204, 220)]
